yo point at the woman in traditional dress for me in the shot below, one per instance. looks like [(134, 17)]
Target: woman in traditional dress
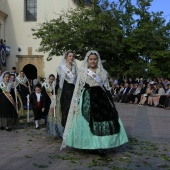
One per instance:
[(8, 113), (93, 121), (23, 87), (19, 107), (66, 79)]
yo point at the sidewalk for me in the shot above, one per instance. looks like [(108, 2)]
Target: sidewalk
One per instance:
[(148, 129)]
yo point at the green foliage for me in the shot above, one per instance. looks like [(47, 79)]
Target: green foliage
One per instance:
[(85, 2), (160, 65), (119, 31)]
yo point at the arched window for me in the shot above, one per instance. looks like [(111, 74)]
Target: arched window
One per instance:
[(31, 10)]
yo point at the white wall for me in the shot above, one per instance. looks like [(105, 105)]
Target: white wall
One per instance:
[(2, 36), (18, 32), (2, 6)]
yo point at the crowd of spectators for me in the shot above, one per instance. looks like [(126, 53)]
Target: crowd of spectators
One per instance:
[(150, 92)]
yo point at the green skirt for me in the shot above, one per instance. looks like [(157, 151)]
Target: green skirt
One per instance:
[(81, 137)]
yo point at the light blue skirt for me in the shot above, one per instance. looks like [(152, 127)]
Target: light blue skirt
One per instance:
[(54, 127), (81, 137)]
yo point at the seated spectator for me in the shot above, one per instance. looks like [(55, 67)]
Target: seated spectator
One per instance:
[(154, 92), (156, 80), (151, 81), (130, 93), (125, 81), (164, 98), (123, 96), (163, 81), (145, 96), (112, 89), (154, 97), (141, 81), (155, 89), (137, 80), (166, 102), (134, 97), (168, 106), (118, 94), (142, 91), (115, 89), (167, 81), (131, 80)]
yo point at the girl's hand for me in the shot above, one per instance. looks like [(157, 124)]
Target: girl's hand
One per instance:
[(43, 109)]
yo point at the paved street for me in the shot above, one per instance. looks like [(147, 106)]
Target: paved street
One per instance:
[(148, 129)]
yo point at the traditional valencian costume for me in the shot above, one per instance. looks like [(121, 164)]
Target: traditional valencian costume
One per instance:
[(93, 121), (23, 88), (66, 80), (19, 107), (54, 127), (8, 113), (49, 90)]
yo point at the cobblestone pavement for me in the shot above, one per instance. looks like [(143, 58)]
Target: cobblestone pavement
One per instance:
[(148, 129)]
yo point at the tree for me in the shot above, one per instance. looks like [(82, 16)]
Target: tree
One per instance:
[(81, 29), (119, 31), (83, 2), (151, 38)]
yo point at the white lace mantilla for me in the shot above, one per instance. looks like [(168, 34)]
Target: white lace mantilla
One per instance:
[(63, 76), (48, 87), (20, 80), (91, 82)]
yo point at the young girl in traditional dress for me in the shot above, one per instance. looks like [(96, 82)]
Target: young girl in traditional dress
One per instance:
[(8, 113), (93, 121), (23, 87), (53, 124), (49, 89), (37, 99)]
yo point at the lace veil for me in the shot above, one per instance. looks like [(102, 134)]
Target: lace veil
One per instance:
[(2, 75), (24, 79), (62, 74), (81, 80), (47, 82), (9, 85)]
